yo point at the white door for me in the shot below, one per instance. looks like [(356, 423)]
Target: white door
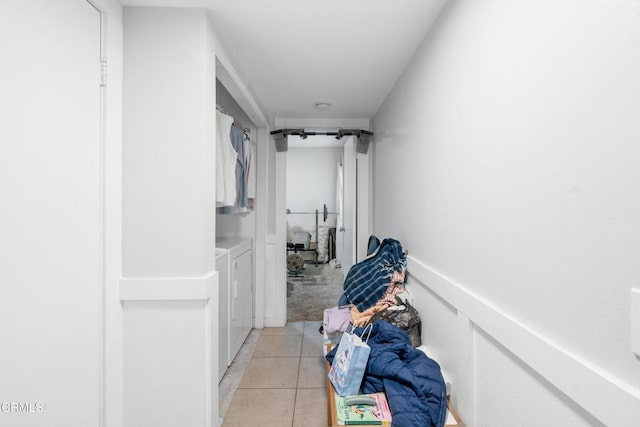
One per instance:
[(50, 219), (349, 205)]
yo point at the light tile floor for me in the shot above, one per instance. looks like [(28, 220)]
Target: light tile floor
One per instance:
[(278, 379)]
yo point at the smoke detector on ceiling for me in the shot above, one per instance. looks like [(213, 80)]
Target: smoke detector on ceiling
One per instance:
[(322, 106)]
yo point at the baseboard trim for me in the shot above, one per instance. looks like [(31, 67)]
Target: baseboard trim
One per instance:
[(605, 396)]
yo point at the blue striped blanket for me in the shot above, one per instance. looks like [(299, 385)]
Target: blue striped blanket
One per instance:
[(367, 281)]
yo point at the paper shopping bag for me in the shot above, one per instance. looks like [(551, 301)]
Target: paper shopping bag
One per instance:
[(349, 363)]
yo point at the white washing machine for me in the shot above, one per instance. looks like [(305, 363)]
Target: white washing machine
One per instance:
[(234, 262)]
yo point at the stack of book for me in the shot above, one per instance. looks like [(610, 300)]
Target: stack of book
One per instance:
[(363, 409)]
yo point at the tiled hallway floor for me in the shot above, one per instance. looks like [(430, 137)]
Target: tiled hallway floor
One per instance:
[(278, 379)]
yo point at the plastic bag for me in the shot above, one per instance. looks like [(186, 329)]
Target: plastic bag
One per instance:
[(404, 316)]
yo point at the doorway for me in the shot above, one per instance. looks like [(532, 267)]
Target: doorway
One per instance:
[(327, 213), (314, 273)]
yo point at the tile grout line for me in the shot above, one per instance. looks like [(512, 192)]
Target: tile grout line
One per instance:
[(295, 396)]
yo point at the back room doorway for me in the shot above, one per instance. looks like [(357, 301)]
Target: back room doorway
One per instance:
[(314, 226)]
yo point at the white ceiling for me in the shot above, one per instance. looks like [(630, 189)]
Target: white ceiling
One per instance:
[(292, 53)]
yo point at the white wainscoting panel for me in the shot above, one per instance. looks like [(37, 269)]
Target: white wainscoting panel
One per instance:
[(467, 335), (275, 304), (170, 354)]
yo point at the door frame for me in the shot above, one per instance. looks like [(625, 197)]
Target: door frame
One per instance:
[(361, 234), (111, 334)]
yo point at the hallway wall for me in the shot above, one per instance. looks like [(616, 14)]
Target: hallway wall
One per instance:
[(514, 140), (311, 183), (169, 289)]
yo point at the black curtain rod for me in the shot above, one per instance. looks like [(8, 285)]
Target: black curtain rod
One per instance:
[(339, 134)]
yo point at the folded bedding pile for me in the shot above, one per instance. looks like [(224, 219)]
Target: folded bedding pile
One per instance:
[(413, 382)]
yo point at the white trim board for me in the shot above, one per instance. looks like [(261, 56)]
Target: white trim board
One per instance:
[(614, 403), (160, 288), (231, 80)]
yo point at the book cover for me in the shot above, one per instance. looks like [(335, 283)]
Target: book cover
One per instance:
[(377, 414)]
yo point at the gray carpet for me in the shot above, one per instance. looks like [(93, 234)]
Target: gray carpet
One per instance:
[(314, 290)]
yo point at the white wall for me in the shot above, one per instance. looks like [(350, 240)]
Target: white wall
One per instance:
[(168, 155), (311, 184), (322, 123), (51, 159), (169, 289), (35, 103), (275, 290), (510, 146)]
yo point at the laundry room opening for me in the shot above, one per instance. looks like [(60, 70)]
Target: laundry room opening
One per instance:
[(314, 214)]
